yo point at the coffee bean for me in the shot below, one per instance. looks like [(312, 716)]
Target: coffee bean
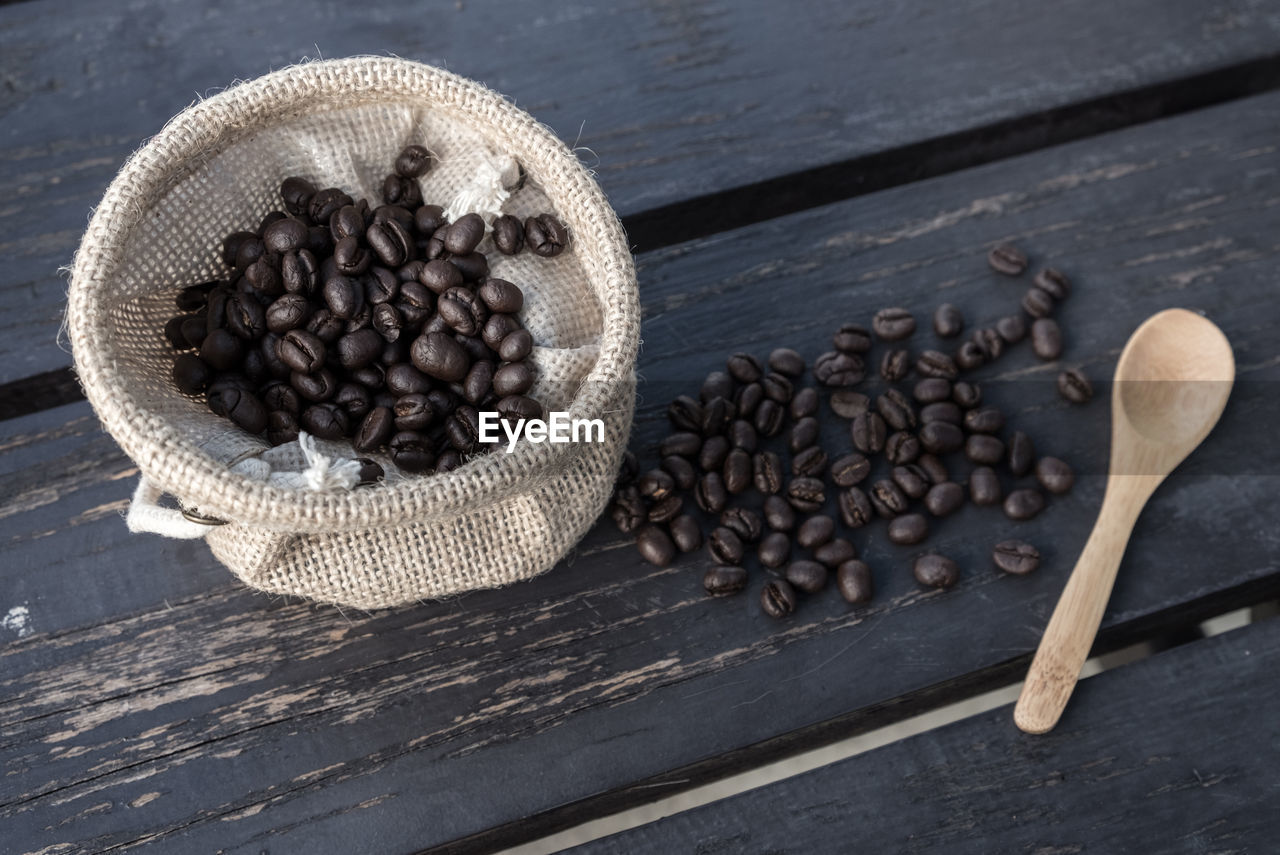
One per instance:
[(1037, 303), (967, 395), (1012, 328), (787, 362), (838, 369), (508, 235), (804, 433), (810, 462), (806, 494), (744, 368), (282, 427), (1023, 504), (281, 396), (767, 472), (742, 434), (398, 190), (710, 493), (815, 531), (325, 326), (1054, 283), (221, 350), (990, 341), (545, 235), (778, 599), (807, 576), (1054, 475), (984, 449), (747, 399), (901, 448), (942, 411), (853, 578), (1007, 259), (984, 486), (681, 471), (908, 529), (847, 404), (804, 403), (463, 311), (834, 552), (440, 275), (411, 451), (391, 242), (403, 379), (462, 428), (893, 324), (896, 410), (325, 420), (868, 433), (986, 420), (245, 317), (778, 513), (478, 383), (936, 571), (1046, 339), (473, 266), (725, 546), (629, 510), (655, 484), (1021, 453), (850, 469), (933, 468), (684, 443), (737, 471), (666, 509), (1075, 386), (355, 400), (931, 390), (287, 312), (191, 374), (501, 296), (439, 355), (852, 338), (464, 234), (775, 550), (413, 161), (358, 349), (911, 479), (941, 437), (969, 356), (655, 546), (685, 533), (717, 414), (744, 522), (777, 387), (714, 450), (375, 429), (944, 499), (296, 194), (935, 363), (724, 581), (888, 499), (770, 417), (448, 461), (315, 387), (947, 321), (855, 507), (895, 365), (1016, 557)]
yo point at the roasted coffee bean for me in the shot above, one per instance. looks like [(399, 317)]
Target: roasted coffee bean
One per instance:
[(1046, 339), (770, 417), (315, 387), (935, 363), (852, 338), (744, 368), (287, 312), (403, 379), (737, 471), (942, 411), (413, 412), (805, 403), (747, 399), (325, 326), (681, 470), (743, 522), (724, 581), (496, 330), (281, 396), (358, 349), (895, 365), (325, 202), (666, 510), (725, 546), (901, 447), (1007, 259), (778, 599), (685, 413), (779, 514), (807, 576), (285, 235), (767, 472), (786, 362), (464, 235), (245, 317), (325, 420), (1012, 328), (868, 433), (990, 341), (717, 385), (1021, 453), (1075, 386), (931, 390), (896, 410), (984, 449), (1016, 556), (282, 427), (815, 531), (439, 355), (296, 194), (850, 469), (969, 356), (935, 571), (836, 368), (375, 429), (806, 494), (775, 550), (501, 296), (984, 486), (516, 346), (462, 428), (508, 235), (344, 296), (714, 450), (1054, 283), (804, 433), (710, 493), (269, 347), (1054, 475), (545, 235), (655, 545), (363, 320), (855, 507), (944, 499), (986, 420), (742, 434), (893, 324), (411, 451), (188, 331), (249, 252), (448, 461), (853, 579), (413, 161), (1023, 504), (941, 437), (440, 275), (933, 468), (191, 374), (834, 552), (684, 443), (352, 260), (1037, 303), (967, 395), (911, 479), (391, 242), (777, 387), (398, 190), (686, 534), (194, 297), (655, 484), (232, 244), (387, 322), (463, 311), (948, 322), (888, 499), (809, 462), (908, 529), (847, 404), (371, 472), (221, 350), (354, 399)]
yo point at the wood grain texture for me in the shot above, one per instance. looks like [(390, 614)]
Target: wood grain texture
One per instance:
[(223, 719), (1197, 775), (668, 101)]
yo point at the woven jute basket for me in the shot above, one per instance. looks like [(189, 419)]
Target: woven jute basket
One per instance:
[(216, 168)]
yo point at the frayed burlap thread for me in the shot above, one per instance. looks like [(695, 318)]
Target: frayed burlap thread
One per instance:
[(215, 168)]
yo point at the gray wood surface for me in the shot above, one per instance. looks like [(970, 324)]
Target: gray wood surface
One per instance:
[(224, 719), (1171, 754), (668, 101)]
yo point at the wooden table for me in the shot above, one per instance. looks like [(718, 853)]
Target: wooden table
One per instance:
[(780, 168)]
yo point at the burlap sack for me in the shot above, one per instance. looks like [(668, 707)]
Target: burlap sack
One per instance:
[(216, 168)]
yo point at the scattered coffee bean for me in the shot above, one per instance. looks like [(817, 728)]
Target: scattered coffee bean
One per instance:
[(868, 433), (655, 484), (1053, 282), (936, 571), (744, 522), (942, 411), (1021, 453), (1046, 339), (896, 410), (680, 470), (933, 467), (888, 499), (984, 486), (714, 451), (848, 404), (815, 531), (932, 390), (852, 338), (855, 507), (911, 479), (807, 576), (724, 581), (804, 403), (725, 546), (1023, 504), (836, 368), (1016, 557), (787, 362), (941, 437), (779, 514), (948, 322), (737, 471), (744, 368), (970, 355), (935, 363), (895, 365), (893, 324), (774, 550), (766, 469), (908, 529), (666, 510), (853, 578), (1054, 475), (850, 469), (901, 447), (710, 493), (743, 435), (990, 341), (811, 462), (967, 395), (804, 433), (1012, 328), (944, 499), (778, 599), (834, 552), (1075, 386), (1007, 259), (984, 449), (806, 494), (545, 235), (987, 420)]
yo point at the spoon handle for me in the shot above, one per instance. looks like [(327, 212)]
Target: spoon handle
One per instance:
[(1074, 625)]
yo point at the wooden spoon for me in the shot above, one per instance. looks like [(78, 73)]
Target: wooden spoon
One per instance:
[(1171, 384)]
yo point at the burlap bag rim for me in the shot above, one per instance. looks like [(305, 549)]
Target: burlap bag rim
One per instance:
[(171, 460)]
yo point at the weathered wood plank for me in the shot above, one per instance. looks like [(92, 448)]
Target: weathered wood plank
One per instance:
[(501, 715), (1173, 753), (668, 101)]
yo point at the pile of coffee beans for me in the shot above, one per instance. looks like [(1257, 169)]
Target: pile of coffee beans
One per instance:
[(377, 324), (722, 484)]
